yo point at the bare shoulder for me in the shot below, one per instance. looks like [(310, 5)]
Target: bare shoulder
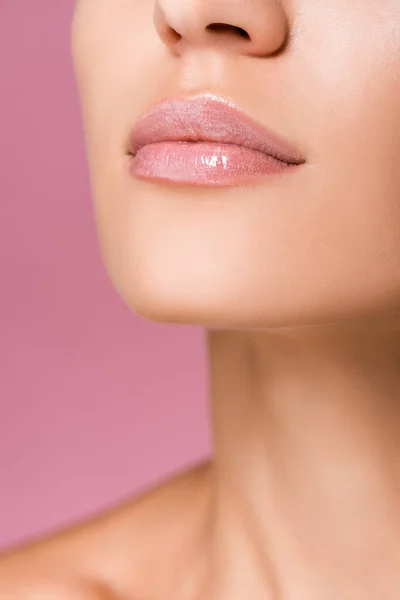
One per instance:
[(110, 555), (52, 591), (54, 568)]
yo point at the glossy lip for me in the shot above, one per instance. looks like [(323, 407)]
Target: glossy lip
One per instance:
[(208, 119)]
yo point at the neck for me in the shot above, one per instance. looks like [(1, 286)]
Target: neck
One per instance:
[(306, 471)]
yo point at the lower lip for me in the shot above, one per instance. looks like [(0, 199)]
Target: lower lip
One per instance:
[(204, 164)]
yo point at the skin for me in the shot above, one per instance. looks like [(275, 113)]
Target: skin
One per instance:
[(297, 284)]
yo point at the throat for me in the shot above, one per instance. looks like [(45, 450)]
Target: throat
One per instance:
[(306, 463)]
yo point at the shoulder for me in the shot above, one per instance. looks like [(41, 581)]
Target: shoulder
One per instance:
[(52, 591), (48, 570), (110, 551)]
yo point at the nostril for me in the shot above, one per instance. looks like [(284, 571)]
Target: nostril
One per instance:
[(175, 35), (169, 35), (228, 28)]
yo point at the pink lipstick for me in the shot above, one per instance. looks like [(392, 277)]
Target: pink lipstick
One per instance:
[(206, 142)]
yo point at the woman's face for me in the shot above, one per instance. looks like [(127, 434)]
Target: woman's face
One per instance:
[(317, 244)]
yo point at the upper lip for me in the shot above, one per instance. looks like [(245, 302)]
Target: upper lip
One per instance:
[(208, 119)]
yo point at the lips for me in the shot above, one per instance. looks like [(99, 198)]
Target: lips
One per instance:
[(206, 141)]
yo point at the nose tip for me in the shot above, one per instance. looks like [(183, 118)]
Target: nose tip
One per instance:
[(250, 27)]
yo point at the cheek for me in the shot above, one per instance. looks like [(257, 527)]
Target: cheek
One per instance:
[(350, 103), (346, 65), (115, 82)]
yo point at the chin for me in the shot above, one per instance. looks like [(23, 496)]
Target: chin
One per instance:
[(170, 266), (219, 306), (180, 304), (212, 305)]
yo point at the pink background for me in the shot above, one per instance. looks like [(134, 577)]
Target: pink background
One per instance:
[(95, 402)]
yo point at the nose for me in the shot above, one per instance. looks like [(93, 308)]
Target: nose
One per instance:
[(249, 27)]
